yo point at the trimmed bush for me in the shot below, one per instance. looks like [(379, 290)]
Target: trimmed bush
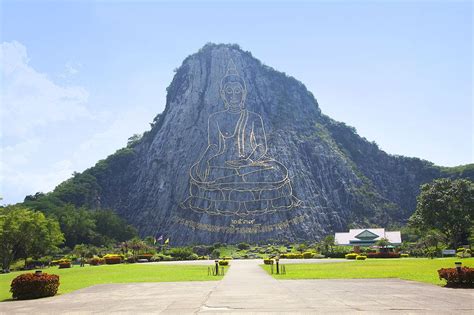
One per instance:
[(64, 263), (145, 256), (307, 255), (223, 262), (162, 257), (383, 255), (32, 286), (455, 279), (292, 256), (463, 253), (268, 261), (113, 259), (194, 257), (361, 257), (96, 261), (351, 256), (243, 246), (182, 253), (404, 255)]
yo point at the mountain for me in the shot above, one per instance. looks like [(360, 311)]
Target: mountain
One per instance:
[(242, 152)]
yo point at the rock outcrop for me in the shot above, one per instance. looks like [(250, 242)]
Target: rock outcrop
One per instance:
[(310, 175)]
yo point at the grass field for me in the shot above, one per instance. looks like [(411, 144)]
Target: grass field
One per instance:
[(77, 277), (417, 269)]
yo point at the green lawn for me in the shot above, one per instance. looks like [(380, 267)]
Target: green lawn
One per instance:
[(417, 269), (77, 277)]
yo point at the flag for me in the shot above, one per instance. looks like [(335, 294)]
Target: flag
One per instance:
[(167, 241)]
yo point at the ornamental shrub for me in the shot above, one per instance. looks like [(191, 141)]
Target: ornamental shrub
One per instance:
[(383, 255), (182, 253), (463, 253), (96, 261), (351, 256), (268, 261), (194, 257), (113, 259), (455, 279), (243, 246), (162, 257), (33, 286), (292, 256), (64, 263), (404, 255), (361, 257), (223, 262), (308, 255), (202, 250), (145, 256)]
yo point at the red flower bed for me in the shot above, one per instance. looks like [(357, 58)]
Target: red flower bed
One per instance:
[(383, 255), (33, 286), (454, 278)]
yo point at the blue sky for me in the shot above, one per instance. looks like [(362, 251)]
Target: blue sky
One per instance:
[(80, 77)]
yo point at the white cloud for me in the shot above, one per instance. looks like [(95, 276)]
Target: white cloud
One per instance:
[(31, 99), (50, 128)]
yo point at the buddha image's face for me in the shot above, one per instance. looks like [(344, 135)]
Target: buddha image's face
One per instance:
[(233, 94)]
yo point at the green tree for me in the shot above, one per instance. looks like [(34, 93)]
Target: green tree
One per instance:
[(136, 245), (448, 206), (83, 251), (432, 242), (111, 227), (25, 233), (328, 243), (383, 242)]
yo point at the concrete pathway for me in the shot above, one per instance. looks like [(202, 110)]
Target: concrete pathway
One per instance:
[(248, 289)]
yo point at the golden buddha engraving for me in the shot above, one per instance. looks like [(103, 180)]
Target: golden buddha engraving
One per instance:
[(235, 174)]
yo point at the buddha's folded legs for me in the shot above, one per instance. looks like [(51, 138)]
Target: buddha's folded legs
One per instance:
[(262, 172)]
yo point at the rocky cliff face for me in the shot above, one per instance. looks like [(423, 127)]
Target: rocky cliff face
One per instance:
[(333, 176)]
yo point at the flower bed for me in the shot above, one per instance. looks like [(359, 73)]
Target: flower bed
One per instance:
[(383, 255), (457, 279), (112, 259), (33, 286)]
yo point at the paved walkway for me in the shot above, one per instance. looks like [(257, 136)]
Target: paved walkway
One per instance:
[(248, 289)]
